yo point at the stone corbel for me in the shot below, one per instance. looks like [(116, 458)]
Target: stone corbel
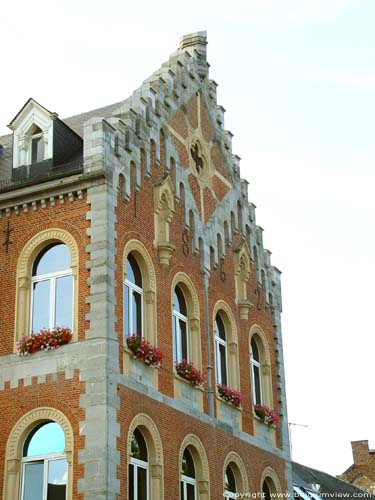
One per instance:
[(13, 466), (245, 306), (194, 325), (156, 471), (165, 252), (203, 486), (266, 369), (149, 297), (232, 348)]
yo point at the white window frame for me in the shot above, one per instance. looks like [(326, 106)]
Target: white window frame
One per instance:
[(52, 277), (137, 463), (132, 287), (256, 364), (46, 458), (218, 342), (229, 494), (177, 351), (185, 480), (32, 137)]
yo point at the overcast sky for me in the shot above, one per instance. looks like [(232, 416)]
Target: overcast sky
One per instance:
[(297, 79)]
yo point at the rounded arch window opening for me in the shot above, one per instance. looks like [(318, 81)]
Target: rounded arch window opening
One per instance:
[(133, 298), (221, 351), (230, 486), (188, 477), (52, 288), (44, 466), (139, 468), (180, 326)]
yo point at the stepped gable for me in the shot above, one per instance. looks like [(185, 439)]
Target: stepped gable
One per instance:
[(174, 120)]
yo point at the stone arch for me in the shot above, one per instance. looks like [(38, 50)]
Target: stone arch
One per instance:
[(239, 469), (184, 282), (196, 448), (265, 360), (232, 342), (144, 261), (154, 444), (24, 266), (16, 440), (272, 480)]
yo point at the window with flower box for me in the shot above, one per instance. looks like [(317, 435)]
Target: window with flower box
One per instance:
[(133, 298), (221, 351), (260, 367), (180, 326), (52, 288)]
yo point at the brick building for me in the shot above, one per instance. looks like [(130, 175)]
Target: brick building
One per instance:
[(133, 219), (362, 473)]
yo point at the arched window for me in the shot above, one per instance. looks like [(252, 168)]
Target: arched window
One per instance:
[(180, 326), (52, 288), (221, 351), (138, 468), (133, 298), (230, 488), (44, 466), (256, 372), (188, 478)]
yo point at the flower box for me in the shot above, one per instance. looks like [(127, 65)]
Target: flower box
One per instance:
[(229, 395), (144, 350), (45, 340), (188, 372), (266, 414)]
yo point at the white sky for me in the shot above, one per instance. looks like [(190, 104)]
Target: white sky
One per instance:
[(297, 78)]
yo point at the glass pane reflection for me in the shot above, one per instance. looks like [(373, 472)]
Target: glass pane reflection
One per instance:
[(57, 475), (41, 305), (33, 481), (64, 301), (46, 439)]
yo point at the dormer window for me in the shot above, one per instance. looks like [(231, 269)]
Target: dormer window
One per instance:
[(37, 145)]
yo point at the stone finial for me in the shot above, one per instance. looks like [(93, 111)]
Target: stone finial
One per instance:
[(196, 40)]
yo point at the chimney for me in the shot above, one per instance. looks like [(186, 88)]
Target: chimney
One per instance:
[(360, 450), (196, 40)]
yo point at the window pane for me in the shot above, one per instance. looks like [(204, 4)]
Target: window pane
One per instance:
[(57, 479), (219, 327), (223, 361), (184, 340), (190, 491), (142, 483), (64, 301), (33, 482), (230, 482), (254, 350), (258, 390), (126, 311), (37, 149), (179, 301), (137, 313), (133, 273), (41, 305), (182, 491), (52, 259), (187, 466), (49, 438), (131, 482), (138, 446)]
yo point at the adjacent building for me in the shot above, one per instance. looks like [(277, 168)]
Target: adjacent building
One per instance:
[(127, 237), (362, 472)]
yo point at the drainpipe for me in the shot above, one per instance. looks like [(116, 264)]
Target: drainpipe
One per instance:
[(210, 392)]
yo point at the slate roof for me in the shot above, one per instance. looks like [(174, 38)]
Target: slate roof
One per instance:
[(74, 122), (330, 486)]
